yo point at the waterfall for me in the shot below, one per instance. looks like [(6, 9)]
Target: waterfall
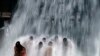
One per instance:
[(75, 19)]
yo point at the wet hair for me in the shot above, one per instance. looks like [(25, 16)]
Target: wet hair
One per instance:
[(31, 37), (40, 44), (44, 39), (65, 41), (18, 49), (50, 43), (19, 46), (17, 43)]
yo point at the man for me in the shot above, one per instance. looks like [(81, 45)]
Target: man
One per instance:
[(44, 39), (31, 38), (65, 41), (65, 46), (19, 49), (48, 51)]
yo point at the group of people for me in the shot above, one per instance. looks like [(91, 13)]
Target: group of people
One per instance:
[(20, 50)]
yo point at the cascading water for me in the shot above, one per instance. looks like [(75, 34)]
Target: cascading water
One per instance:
[(75, 19)]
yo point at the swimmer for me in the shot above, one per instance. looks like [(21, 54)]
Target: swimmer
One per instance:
[(40, 44), (44, 39), (19, 49), (31, 37), (65, 41), (48, 51)]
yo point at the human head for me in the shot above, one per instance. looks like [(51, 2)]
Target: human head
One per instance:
[(31, 37), (50, 43), (40, 44), (44, 39), (65, 41)]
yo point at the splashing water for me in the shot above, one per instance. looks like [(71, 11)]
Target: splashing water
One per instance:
[(75, 19), (32, 46)]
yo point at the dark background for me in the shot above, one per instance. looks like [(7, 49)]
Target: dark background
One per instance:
[(6, 6)]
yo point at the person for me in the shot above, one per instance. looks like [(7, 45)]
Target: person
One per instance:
[(31, 37), (48, 51), (44, 39), (19, 49), (40, 44), (65, 46), (65, 41), (56, 38)]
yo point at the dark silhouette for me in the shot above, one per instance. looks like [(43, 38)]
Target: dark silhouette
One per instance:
[(31, 37), (19, 49), (44, 39), (40, 45), (65, 41)]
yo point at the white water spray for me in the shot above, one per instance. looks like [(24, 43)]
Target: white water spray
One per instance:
[(57, 47), (72, 18)]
